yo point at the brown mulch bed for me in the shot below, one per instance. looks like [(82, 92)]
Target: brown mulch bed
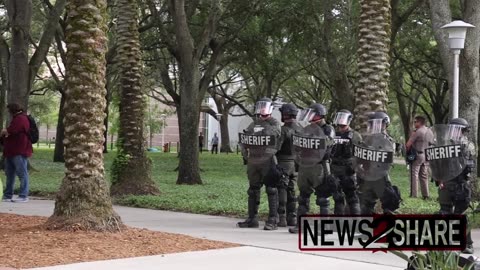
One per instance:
[(25, 243)]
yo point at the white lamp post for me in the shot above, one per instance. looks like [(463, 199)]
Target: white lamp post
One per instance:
[(457, 31), (163, 116)]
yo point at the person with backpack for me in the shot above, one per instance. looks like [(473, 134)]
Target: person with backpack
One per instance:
[(17, 149)]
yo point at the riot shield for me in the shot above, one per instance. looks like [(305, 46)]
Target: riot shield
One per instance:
[(309, 146), (446, 154), (258, 145), (373, 157)]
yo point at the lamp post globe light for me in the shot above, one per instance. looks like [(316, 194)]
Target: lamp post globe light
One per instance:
[(457, 31)]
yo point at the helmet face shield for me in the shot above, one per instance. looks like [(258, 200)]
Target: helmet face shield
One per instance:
[(455, 132), (263, 107), (375, 126), (342, 118), (306, 115)]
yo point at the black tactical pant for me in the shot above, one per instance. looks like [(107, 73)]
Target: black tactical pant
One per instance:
[(347, 190), (454, 197), (256, 176), (287, 200), (370, 192), (310, 180)]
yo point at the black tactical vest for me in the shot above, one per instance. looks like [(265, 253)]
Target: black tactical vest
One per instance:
[(343, 146), (288, 130)]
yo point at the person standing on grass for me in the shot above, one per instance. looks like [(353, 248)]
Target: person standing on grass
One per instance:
[(215, 143), (419, 167), (200, 142), (17, 149)]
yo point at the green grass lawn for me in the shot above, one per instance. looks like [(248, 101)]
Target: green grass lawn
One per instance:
[(223, 191)]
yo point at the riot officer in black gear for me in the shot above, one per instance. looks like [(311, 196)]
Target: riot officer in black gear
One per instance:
[(373, 179), (261, 161), (342, 164), (286, 189), (453, 175), (314, 170)]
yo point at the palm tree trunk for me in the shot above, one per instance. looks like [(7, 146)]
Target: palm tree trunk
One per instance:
[(373, 59), (131, 170), (83, 201)]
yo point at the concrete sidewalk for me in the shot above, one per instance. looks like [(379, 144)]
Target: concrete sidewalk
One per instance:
[(261, 249)]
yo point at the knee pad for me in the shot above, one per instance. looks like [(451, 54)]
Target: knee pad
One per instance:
[(348, 182), (338, 196), (253, 191), (323, 202), (353, 198), (271, 190)]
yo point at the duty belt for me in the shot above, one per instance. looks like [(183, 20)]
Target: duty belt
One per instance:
[(341, 162)]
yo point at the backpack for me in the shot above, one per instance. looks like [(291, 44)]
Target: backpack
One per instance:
[(32, 133)]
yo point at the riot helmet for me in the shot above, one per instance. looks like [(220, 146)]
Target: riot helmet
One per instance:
[(264, 107), (289, 111), (315, 112), (457, 127), (343, 118), (377, 122)]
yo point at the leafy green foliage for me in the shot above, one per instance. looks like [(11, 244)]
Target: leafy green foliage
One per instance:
[(118, 164), (433, 260)]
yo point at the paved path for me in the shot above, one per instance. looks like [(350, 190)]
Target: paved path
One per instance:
[(261, 250)]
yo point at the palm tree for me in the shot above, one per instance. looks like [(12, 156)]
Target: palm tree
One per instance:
[(83, 201), (131, 170), (373, 59)]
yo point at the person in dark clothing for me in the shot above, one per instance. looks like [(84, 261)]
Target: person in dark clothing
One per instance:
[(200, 142), (215, 143), (17, 149)]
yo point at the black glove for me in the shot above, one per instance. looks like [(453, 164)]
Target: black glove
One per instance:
[(245, 161)]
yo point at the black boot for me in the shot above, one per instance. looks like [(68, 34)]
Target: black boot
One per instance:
[(282, 202), (253, 203), (303, 208), (271, 223), (469, 248)]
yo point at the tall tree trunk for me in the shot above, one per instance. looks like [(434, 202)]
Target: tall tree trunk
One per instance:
[(105, 133), (189, 115), (469, 99), (131, 169), (224, 134), (403, 109), (83, 201), (59, 147), (373, 59), (4, 56), (20, 17), (343, 94), (189, 169), (440, 15)]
